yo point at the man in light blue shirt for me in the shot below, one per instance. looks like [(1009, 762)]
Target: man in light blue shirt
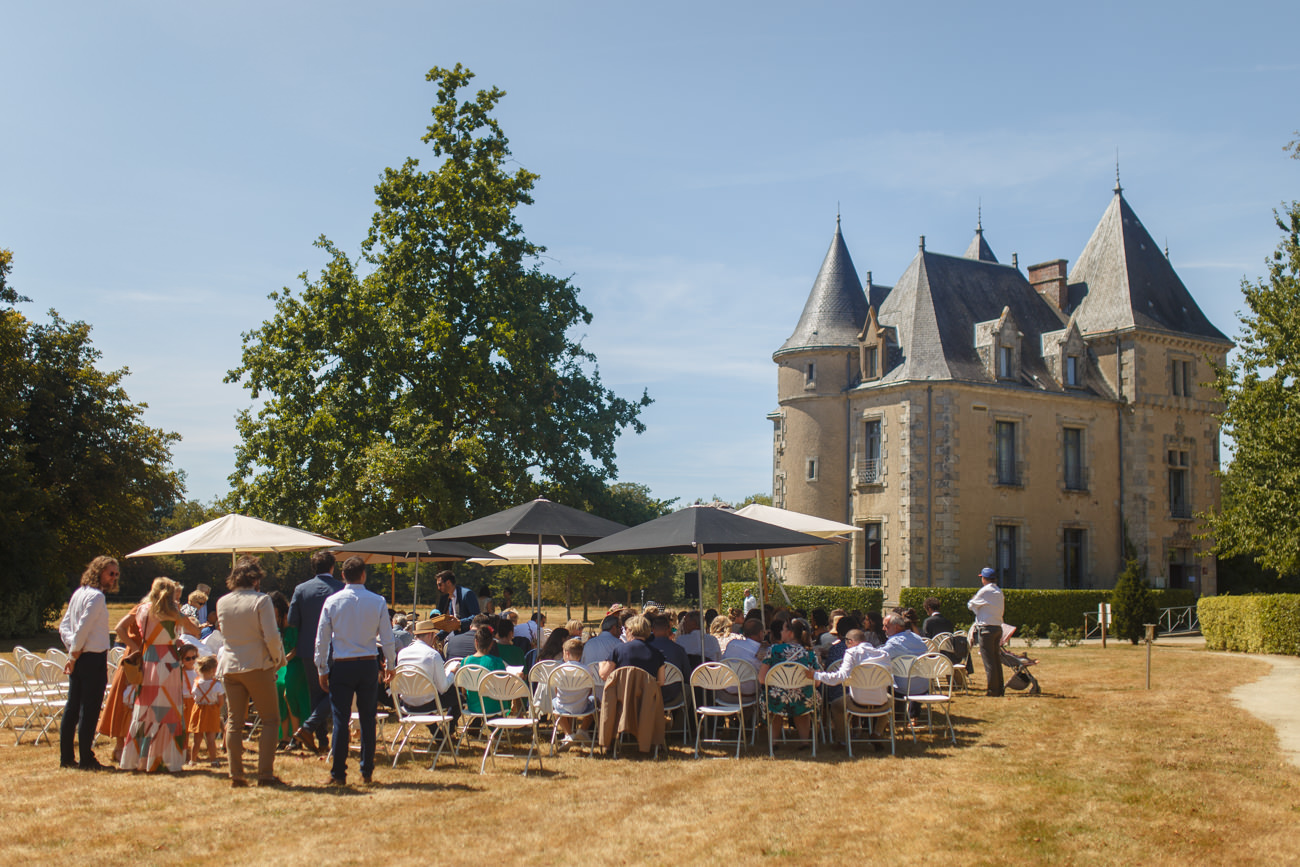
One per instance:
[(988, 605), (353, 626)]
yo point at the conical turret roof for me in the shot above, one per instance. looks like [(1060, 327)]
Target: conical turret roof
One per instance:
[(979, 248), (1126, 282), (836, 307)]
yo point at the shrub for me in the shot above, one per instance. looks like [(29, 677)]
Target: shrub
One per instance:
[(808, 597), (1032, 606), (1252, 624), (1132, 605)]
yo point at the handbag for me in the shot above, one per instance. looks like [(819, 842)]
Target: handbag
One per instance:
[(132, 669)]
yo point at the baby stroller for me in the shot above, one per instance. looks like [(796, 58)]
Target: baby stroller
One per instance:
[(1022, 678)]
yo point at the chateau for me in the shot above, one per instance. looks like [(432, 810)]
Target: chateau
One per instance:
[(975, 415)]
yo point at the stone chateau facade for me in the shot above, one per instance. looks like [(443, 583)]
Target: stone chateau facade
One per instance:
[(975, 415)]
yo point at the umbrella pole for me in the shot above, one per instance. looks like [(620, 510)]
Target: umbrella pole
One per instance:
[(392, 577), (537, 600), (699, 582), (415, 597), (762, 588), (719, 582)]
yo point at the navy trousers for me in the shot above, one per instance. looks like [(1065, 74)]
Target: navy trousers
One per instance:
[(351, 678)]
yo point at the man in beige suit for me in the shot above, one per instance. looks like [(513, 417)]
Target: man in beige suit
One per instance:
[(252, 654)]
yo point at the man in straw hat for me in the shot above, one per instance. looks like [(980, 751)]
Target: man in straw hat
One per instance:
[(424, 654)]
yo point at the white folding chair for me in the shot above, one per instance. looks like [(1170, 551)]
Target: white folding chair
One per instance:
[(746, 673), (115, 654), (538, 676), (20, 706), (868, 676), (944, 645), (53, 695), (508, 689), (571, 678), (411, 680), (467, 681), (791, 676), (673, 675), (714, 677), (933, 668), (56, 656)]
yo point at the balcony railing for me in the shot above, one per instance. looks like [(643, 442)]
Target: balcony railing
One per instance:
[(1180, 510), (868, 471), (867, 578)]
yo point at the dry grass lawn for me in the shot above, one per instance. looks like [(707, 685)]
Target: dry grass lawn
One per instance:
[(1097, 770)]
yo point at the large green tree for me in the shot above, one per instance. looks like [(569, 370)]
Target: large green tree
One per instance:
[(435, 378), (80, 473), (1260, 389)]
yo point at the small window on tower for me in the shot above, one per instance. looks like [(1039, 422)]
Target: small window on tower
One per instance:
[(810, 373), (812, 469)]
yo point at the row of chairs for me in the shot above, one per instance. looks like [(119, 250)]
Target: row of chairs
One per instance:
[(717, 691), (33, 694)]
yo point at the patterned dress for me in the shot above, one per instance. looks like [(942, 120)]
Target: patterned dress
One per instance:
[(793, 702), (156, 737)]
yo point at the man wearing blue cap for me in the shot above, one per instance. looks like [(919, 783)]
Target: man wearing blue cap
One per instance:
[(988, 605)]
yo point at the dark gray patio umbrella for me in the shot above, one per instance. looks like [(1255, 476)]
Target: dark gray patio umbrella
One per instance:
[(701, 530), (411, 544), (539, 523)]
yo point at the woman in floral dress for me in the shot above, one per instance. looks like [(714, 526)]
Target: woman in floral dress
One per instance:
[(156, 737), (795, 646)]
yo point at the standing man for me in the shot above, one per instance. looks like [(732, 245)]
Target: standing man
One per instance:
[(988, 604), (750, 602), (304, 613), (352, 622), (459, 602), (84, 631)]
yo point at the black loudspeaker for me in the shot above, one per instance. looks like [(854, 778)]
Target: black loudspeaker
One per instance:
[(691, 585)]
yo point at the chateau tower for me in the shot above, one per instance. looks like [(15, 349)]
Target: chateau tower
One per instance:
[(816, 367)]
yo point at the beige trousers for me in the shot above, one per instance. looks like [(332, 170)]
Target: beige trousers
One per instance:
[(260, 687)]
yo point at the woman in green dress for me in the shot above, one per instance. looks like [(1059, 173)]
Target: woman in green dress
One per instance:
[(795, 646), (290, 680)]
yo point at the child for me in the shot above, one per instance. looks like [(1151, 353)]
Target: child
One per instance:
[(189, 656), (205, 721), (571, 701)]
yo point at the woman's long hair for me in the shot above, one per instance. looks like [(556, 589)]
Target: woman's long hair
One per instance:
[(162, 599), (554, 645), (799, 628)]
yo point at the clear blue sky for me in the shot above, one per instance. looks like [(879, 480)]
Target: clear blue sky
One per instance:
[(163, 167)]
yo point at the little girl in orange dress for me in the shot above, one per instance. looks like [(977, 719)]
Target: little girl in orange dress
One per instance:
[(189, 656), (204, 722)]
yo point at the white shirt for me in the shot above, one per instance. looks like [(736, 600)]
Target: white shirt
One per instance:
[(747, 649), (690, 642), (84, 628), (750, 604), (854, 656), (600, 648), (215, 641), (988, 604), (429, 661), (527, 629), (350, 623)]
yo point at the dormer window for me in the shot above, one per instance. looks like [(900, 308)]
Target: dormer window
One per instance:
[(871, 362), (1006, 362), (1072, 370)]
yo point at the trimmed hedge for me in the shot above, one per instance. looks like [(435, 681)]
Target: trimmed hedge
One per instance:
[(807, 597), (1252, 624), (1026, 608)]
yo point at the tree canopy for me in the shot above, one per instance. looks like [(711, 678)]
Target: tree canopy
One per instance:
[(433, 379), (80, 472), (1261, 393)]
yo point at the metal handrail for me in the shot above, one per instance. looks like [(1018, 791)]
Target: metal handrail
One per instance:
[(1179, 620), (868, 577)]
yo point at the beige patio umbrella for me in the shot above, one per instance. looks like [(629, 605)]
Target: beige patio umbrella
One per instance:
[(822, 528), (237, 534)]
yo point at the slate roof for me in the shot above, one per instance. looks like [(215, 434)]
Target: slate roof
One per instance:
[(979, 248), (934, 308), (1121, 281), (836, 307)]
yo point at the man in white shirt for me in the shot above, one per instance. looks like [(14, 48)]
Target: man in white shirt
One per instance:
[(857, 651), (422, 654), (988, 604), (692, 638), (352, 622), (84, 631), (750, 602)]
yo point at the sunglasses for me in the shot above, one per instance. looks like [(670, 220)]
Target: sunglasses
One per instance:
[(188, 658)]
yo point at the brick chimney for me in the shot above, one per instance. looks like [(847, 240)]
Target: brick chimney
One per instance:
[(1048, 279)]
